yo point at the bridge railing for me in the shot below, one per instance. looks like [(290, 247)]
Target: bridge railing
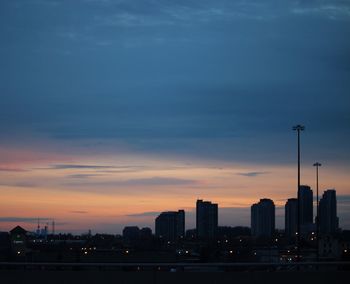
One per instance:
[(179, 266)]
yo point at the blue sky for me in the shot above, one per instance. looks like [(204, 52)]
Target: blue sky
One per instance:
[(216, 81)]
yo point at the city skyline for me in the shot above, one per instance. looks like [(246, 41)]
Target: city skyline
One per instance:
[(258, 218), (115, 111)]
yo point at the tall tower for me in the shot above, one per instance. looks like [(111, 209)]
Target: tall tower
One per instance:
[(254, 219), (306, 205), (263, 218), (329, 222), (291, 215), (206, 219)]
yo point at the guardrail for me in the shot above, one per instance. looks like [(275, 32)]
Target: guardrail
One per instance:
[(179, 266)]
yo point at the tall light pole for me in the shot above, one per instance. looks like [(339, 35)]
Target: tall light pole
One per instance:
[(298, 128), (317, 165)]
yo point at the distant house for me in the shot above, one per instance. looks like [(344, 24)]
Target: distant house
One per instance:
[(18, 230), (18, 237)]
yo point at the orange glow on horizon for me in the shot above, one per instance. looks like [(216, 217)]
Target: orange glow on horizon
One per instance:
[(111, 190)]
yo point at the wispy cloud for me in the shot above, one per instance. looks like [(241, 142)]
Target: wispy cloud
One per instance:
[(10, 169), (159, 181), (79, 166), (252, 174), (331, 9), (98, 168), (171, 13), (79, 212), (23, 219), (19, 184), (154, 181), (83, 176), (126, 19), (144, 214)]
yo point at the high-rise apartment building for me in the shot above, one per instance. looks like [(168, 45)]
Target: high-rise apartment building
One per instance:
[(206, 219), (328, 219), (170, 225), (306, 205), (291, 215), (263, 218)]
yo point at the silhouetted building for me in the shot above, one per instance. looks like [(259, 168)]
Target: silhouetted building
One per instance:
[(306, 205), (171, 225), (146, 233), (191, 234), (206, 219), (263, 218), (181, 224), (329, 247), (5, 245), (18, 237), (329, 221), (226, 232), (131, 233), (254, 219), (291, 217), (306, 211)]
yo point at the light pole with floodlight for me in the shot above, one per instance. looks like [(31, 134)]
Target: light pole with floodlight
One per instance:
[(317, 165), (298, 128)]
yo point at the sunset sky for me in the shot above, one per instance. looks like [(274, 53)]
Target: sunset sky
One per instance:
[(113, 111)]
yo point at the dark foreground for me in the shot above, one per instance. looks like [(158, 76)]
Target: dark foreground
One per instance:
[(153, 277), (153, 273)]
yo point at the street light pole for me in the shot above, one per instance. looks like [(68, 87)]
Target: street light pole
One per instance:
[(298, 128), (317, 165)]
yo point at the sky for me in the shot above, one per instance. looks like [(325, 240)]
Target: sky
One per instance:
[(114, 111)]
